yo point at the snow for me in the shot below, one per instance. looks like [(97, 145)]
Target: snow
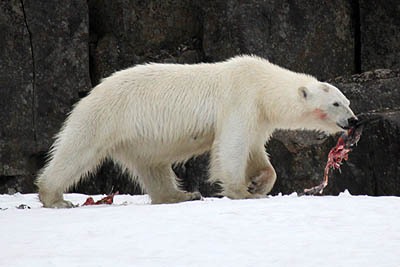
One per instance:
[(277, 231)]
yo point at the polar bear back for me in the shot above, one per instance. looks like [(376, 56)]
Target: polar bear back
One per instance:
[(163, 100)]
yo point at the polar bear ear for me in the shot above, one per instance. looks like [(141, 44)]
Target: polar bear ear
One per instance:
[(304, 93)]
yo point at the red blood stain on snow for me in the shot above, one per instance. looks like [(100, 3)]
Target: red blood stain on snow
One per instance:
[(105, 200)]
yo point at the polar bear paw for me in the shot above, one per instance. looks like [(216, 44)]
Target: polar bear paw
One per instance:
[(193, 196), (61, 204), (179, 196), (257, 185), (262, 183)]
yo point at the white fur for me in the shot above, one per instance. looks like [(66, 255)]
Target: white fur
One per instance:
[(148, 117)]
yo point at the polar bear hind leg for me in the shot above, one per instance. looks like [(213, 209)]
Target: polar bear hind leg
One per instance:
[(64, 171)]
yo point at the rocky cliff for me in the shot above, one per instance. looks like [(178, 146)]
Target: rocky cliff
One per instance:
[(53, 52)]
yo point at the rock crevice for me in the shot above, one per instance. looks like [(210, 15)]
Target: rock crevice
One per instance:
[(34, 126), (357, 35)]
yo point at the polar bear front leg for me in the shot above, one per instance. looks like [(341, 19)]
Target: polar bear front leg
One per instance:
[(229, 156), (261, 176)]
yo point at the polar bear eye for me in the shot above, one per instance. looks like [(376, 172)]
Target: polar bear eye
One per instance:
[(336, 104)]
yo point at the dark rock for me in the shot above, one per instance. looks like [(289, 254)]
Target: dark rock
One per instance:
[(306, 36), (126, 33), (109, 179), (194, 174), (23, 207), (13, 184), (45, 66), (298, 158), (380, 38), (17, 131), (61, 62), (372, 90), (374, 169)]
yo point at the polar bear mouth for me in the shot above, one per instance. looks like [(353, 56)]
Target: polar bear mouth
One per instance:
[(351, 122), (343, 127)]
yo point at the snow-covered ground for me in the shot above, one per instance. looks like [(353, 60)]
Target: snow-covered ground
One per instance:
[(277, 231)]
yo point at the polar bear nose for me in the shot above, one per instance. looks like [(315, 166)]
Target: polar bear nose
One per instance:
[(352, 121)]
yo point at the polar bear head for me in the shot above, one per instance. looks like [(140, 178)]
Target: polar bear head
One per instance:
[(326, 108)]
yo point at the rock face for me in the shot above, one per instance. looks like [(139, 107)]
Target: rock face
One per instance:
[(53, 52), (125, 33), (17, 140), (59, 43), (318, 34), (45, 65), (379, 38)]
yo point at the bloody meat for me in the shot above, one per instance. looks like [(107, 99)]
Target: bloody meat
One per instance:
[(339, 153), (105, 200)]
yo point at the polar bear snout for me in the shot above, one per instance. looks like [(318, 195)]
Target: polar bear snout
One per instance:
[(352, 121), (347, 123)]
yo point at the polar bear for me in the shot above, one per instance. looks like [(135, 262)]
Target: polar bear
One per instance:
[(148, 117)]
